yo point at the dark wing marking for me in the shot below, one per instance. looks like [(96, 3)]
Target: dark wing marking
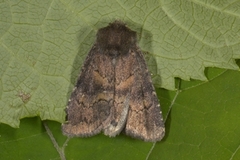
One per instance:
[(144, 117), (91, 103)]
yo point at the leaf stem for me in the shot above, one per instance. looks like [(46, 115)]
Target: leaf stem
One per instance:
[(55, 144)]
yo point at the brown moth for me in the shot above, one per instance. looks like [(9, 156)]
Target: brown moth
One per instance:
[(114, 91)]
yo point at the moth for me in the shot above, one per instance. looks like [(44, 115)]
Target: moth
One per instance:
[(114, 91)]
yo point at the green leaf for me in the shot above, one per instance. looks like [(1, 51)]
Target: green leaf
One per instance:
[(29, 142), (44, 43), (203, 123), (43, 46)]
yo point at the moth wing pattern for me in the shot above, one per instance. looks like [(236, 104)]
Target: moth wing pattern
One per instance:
[(144, 116), (114, 90), (92, 107), (91, 102)]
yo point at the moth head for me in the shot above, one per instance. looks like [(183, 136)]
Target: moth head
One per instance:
[(116, 37)]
